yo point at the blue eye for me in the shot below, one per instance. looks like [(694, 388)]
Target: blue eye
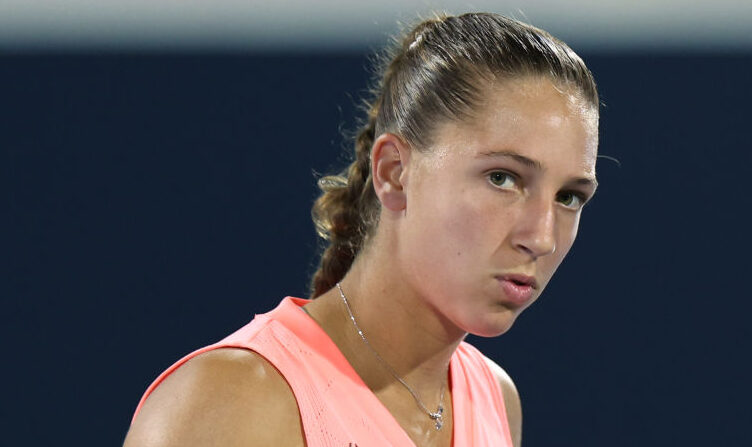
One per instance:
[(501, 179)]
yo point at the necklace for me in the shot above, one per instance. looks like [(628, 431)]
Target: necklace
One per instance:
[(438, 415)]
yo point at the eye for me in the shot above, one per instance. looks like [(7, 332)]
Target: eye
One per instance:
[(502, 179), (572, 199)]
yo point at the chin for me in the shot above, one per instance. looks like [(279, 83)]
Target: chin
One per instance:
[(494, 327)]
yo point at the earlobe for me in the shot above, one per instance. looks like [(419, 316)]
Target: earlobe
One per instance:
[(389, 156)]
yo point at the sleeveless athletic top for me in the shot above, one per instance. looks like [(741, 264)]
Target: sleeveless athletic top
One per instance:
[(337, 409)]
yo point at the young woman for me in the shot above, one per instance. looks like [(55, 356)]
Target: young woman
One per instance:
[(469, 178)]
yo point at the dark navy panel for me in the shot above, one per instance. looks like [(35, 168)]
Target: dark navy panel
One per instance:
[(154, 203)]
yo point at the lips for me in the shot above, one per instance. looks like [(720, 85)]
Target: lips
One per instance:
[(522, 280), (518, 289)]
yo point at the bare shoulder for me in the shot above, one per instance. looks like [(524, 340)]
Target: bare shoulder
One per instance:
[(511, 400), (223, 397)]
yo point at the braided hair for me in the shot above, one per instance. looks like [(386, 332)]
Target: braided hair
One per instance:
[(437, 71)]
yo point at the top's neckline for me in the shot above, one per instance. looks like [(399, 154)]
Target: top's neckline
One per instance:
[(314, 336)]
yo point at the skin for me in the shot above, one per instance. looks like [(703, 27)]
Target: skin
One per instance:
[(453, 219)]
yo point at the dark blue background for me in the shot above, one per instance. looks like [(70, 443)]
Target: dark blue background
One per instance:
[(156, 202)]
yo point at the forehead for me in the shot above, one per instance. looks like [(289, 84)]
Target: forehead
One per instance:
[(533, 117)]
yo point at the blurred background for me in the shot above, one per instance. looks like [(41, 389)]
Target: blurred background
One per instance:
[(159, 161)]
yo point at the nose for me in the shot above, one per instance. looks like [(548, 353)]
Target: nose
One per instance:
[(535, 232)]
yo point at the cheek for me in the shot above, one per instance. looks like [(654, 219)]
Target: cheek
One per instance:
[(457, 231), (461, 227), (565, 238), (569, 234)]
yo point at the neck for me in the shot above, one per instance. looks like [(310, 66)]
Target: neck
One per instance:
[(411, 337)]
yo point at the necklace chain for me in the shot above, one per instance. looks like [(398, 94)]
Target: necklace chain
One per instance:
[(438, 415)]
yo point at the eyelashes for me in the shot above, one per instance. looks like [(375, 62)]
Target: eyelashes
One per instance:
[(501, 178), (570, 199)]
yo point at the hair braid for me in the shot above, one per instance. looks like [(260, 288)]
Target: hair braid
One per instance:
[(345, 213)]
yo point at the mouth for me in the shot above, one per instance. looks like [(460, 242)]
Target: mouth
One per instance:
[(518, 289), (520, 280)]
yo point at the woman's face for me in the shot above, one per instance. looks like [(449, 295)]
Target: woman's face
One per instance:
[(498, 195)]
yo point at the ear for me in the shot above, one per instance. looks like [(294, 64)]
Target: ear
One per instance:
[(389, 157)]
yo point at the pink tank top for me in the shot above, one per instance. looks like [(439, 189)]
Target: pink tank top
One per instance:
[(336, 407)]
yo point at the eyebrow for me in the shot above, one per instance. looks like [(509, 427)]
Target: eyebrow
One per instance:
[(535, 164)]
